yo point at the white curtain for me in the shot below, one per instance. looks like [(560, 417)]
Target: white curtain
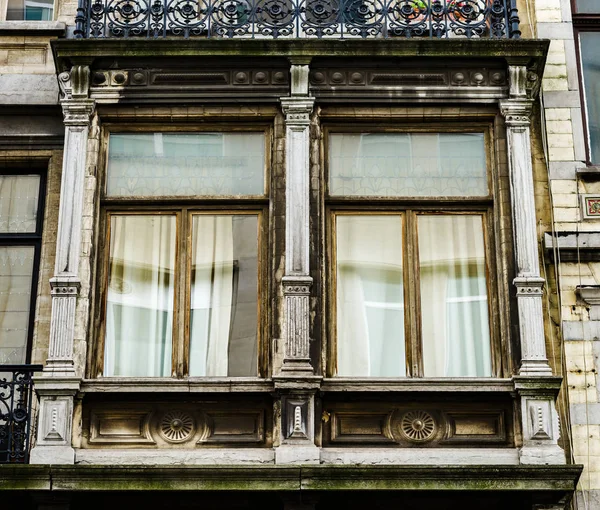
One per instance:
[(454, 301), (212, 295), (369, 286), (139, 310)]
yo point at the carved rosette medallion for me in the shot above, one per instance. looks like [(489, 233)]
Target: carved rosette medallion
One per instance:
[(417, 426), (176, 426)]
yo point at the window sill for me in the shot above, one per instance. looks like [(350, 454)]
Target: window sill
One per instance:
[(168, 385), (480, 384), (57, 28)]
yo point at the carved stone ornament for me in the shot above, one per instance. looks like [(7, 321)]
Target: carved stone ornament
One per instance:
[(418, 426), (176, 426), (74, 84), (529, 286), (297, 110), (517, 112)]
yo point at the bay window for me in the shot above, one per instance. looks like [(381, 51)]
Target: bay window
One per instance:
[(410, 216), (183, 261)]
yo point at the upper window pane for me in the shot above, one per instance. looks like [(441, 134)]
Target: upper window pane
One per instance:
[(590, 60), (407, 164), (18, 203), (587, 6), (186, 164)]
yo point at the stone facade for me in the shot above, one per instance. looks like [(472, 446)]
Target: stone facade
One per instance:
[(515, 432)]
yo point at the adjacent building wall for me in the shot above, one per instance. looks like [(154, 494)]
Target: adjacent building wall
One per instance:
[(565, 152)]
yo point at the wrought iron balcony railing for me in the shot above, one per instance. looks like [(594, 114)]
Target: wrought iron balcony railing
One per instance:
[(332, 19), (16, 397)]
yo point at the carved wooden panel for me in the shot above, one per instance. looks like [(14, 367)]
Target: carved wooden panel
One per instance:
[(410, 424), (176, 425), (125, 427)]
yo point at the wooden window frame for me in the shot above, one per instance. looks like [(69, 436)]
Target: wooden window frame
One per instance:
[(410, 208), (183, 208), (584, 22), (29, 239)]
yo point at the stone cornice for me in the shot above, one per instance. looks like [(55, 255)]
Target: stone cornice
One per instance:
[(556, 480)]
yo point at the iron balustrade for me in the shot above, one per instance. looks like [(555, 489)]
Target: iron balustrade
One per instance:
[(16, 398), (335, 19)]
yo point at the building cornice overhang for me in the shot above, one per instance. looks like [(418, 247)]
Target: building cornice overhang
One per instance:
[(557, 480), (86, 50), (417, 70)]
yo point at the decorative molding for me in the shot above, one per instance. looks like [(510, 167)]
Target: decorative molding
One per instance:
[(170, 425), (296, 292), (418, 426), (74, 84), (54, 426), (573, 246), (176, 426), (412, 425), (590, 206)]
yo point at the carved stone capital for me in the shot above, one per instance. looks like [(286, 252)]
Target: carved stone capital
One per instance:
[(64, 286), (77, 112), (529, 286), (517, 112), (297, 110), (296, 285)]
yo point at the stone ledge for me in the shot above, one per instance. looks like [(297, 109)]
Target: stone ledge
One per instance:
[(33, 28), (558, 480)]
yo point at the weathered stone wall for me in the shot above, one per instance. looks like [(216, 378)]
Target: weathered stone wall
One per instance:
[(577, 359), (27, 74)]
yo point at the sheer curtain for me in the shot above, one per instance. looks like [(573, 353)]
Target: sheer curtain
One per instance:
[(370, 308), (212, 294), (224, 290), (139, 309), (454, 301)]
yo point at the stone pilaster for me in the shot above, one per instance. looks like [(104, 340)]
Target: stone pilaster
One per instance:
[(537, 394), (528, 283), (297, 283), (77, 111), (58, 383)]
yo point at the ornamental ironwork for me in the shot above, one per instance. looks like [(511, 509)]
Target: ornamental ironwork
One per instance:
[(16, 396), (297, 19)]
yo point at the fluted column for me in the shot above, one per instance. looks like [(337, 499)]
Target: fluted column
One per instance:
[(529, 285), (59, 383), (297, 283)]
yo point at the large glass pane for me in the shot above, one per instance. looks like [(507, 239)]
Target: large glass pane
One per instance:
[(224, 296), (370, 296), (16, 270), (590, 60), (588, 6), (186, 164), (407, 164), (19, 203), (454, 301), (139, 308)]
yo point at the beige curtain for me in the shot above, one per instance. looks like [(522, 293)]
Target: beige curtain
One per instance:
[(139, 309), (212, 295), (454, 301), (370, 324)]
